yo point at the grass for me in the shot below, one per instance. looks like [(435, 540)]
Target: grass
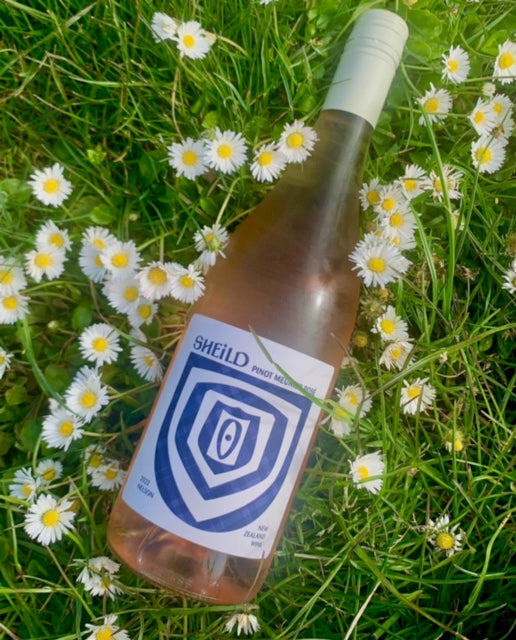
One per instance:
[(85, 85)]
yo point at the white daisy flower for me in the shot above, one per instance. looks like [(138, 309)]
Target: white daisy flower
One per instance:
[(246, 623), (504, 129), (99, 576), (108, 630), (454, 440), (188, 284), (86, 395), (94, 457), (369, 194), (297, 141), (146, 363), (50, 186), (47, 519), (416, 396), (100, 343), (367, 470), (488, 154), (188, 158), (505, 63), (142, 313), (49, 470), (354, 399), (398, 223), (5, 361), (210, 242), (436, 103), (483, 118), (50, 235), (451, 183), (12, 277), (192, 41), (377, 261), (94, 241), (390, 199), (340, 421), (445, 537), (227, 151), (488, 89), (61, 428), (268, 163), (390, 326), (501, 105), (155, 279), (414, 181), (509, 280), (396, 354), (24, 485), (163, 26), (47, 262), (123, 293), (13, 307), (108, 476), (456, 65), (120, 258)]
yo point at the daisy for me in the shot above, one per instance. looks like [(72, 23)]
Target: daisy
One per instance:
[(86, 395), (501, 106), (390, 326), (146, 363), (13, 307), (188, 158), (456, 65), (505, 63), (454, 440), (210, 242), (94, 457), (369, 194), (340, 422), (50, 235), (163, 27), (123, 293), (436, 103), (47, 519), (108, 476), (12, 278), (47, 262), (354, 399), (142, 313), (416, 396), (377, 261), (99, 577), (390, 199), (503, 129), (267, 163), (155, 279), (451, 184), (483, 118), (108, 630), (244, 622), (49, 470), (24, 485), (366, 471), (100, 343), (120, 258), (488, 89), (396, 354), (61, 428), (94, 241), (509, 278), (188, 284), (488, 154), (50, 186), (227, 151), (414, 181), (5, 361), (297, 141), (399, 224), (445, 538), (191, 40)]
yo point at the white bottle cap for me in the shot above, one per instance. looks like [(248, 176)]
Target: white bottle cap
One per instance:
[(368, 64)]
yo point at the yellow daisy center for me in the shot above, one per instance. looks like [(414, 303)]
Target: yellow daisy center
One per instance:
[(352, 398), (104, 634), (363, 472), (49, 474), (189, 158), (6, 277), (98, 261), (396, 220), (189, 41), (265, 159), (445, 540), (360, 339), (479, 117), (224, 151), (43, 260), (27, 490), (387, 325), (157, 275), (396, 352), (57, 239), (341, 414), (100, 344), (295, 140), (88, 399), (453, 65), (95, 460), (438, 185), (110, 473), (144, 311), (149, 360), (10, 303), (98, 243), (483, 155), (413, 392), (388, 204), (51, 185), (187, 282), (119, 260), (2, 359), (410, 184), (66, 428), (131, 294), (497, 108), (506, 60), (431, 105), (373, 197), (376, 264), (50, 518)]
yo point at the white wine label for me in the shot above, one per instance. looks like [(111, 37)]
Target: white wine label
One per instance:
[(227, 439)]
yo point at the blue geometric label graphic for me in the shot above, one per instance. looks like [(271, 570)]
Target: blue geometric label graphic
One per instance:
[(226, 444)]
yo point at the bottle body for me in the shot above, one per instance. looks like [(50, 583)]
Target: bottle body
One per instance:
[(287, 278)]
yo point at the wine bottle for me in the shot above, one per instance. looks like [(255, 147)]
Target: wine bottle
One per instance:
[(210, 485)]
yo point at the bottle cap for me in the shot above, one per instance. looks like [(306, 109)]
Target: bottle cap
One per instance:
[(368, 64)]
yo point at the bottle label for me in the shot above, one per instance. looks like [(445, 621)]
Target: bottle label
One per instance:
[(227, 439)]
